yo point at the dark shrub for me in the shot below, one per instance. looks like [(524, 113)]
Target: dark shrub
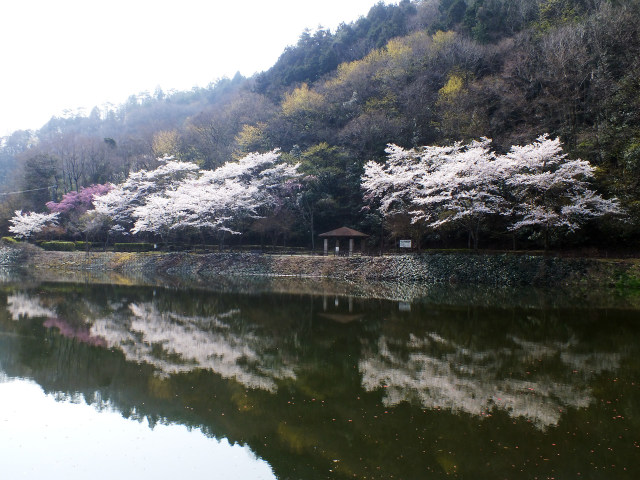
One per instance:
[(59, 246), (133, 247)]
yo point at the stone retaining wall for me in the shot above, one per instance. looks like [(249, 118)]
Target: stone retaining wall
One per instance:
[(450, 268)]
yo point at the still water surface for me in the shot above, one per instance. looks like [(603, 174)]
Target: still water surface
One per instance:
[(104, 381)]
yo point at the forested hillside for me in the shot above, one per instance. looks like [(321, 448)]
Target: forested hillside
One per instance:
[(417, 73)]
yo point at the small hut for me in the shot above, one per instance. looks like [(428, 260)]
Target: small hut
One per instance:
[(343, 233)]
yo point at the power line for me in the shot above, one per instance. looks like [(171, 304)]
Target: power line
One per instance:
[(31, 190)]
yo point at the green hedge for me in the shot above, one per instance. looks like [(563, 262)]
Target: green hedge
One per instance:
[(59, 246), (83, 245), (8, 240), (133, 247)]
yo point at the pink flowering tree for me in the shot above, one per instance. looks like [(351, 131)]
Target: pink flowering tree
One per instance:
[(79, 202), (73, 207)]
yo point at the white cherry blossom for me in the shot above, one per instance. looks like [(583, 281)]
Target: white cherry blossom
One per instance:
[(25, 225)]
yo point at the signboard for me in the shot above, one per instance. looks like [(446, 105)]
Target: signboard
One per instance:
[(405, 244)]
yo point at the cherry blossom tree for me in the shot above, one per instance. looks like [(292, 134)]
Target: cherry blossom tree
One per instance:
[(464, 189), (535, 185), (195, 204), (552, 191), (74, 206), (120, 203), (391, 188), (214, 200), (25, 225), (439, 186)]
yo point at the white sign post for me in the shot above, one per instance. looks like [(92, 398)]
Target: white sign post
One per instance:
[(405, 244)]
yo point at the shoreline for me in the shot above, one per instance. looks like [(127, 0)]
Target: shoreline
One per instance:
[(490, 279), (487, 269)]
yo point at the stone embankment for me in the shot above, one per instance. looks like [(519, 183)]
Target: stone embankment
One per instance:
[(435, 268)]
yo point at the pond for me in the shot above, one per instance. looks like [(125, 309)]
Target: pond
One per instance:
[(113, 381)]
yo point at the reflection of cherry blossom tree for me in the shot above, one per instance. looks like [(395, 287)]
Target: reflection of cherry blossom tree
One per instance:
[(440, 374), (26, 225), (21, 305), (80, 333), (170, 341), (175, 343)]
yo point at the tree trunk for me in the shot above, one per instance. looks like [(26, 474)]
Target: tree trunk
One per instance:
[(546, 238), (313, 234)]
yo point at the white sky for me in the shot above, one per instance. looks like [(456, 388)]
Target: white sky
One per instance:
[(67, 54)]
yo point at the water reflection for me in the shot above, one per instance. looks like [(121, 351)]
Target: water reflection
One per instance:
[(329, 386), (175, 343), (441, 374), (23, 305), (67, 439)]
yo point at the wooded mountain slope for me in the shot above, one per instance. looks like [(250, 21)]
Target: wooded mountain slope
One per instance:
[(428, 72)]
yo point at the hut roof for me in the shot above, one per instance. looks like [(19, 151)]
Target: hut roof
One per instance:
[(344, 232)]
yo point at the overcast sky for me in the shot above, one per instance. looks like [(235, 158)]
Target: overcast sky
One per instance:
[(67, 54)]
